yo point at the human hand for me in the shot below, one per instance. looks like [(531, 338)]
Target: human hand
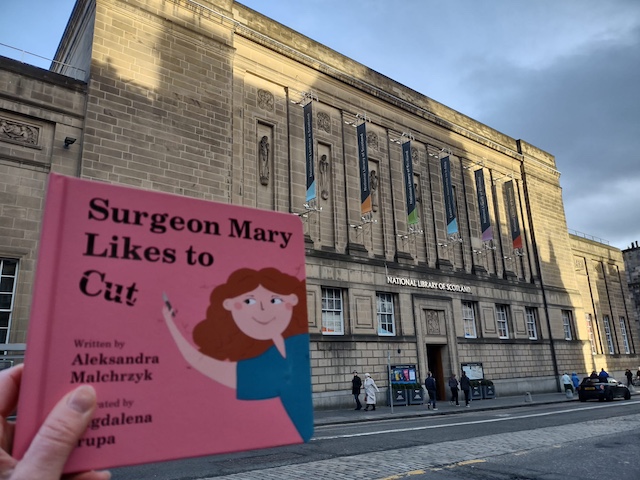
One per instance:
[(56, 439)]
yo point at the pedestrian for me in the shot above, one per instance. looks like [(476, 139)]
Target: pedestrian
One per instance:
[(430, 385), (575, 380), (603, 376), (629, 376), (593, 375), (465, 386), (356, 385), (453, 385), (566, 381), (370, 389)]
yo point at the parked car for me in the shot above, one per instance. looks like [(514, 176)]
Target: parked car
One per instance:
[(592, 388)]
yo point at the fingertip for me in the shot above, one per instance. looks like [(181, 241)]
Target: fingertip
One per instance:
[(82, 399)]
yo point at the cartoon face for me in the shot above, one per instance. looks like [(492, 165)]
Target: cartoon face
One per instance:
[(260, 313)]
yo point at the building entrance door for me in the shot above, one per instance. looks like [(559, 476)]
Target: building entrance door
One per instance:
[(434, 364)]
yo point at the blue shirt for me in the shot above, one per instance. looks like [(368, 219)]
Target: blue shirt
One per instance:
[(269, 375)]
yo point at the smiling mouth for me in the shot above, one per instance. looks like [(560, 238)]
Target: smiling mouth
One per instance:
[(267, 322)]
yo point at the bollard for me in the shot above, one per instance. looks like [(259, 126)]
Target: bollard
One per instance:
[(527, 398)]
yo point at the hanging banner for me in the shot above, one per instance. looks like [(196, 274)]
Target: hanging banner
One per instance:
[(483, 207), (407, 164), (512, 212), (365, 188), (449, 205), (308, 145)]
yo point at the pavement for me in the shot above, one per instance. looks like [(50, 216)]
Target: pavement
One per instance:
[(350, 415)]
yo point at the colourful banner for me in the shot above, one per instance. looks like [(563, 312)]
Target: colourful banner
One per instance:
[(365, 188), (512, 212), (483, 207), (449, 204), (308, 145), (407, 163)]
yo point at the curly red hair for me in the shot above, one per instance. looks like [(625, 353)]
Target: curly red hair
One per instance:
[(219, 337)]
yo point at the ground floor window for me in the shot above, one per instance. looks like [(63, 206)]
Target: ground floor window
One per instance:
[(502, 321), (531, 318), (623, 333), (332, 312), (386, 316), (607, 332), (566, 325), (8, 276), (469, 319)]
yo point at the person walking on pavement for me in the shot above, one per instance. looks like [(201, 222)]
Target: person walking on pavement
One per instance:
[(370, 389), (453, 385), (629, 376), (566, 381), (465, 386), (575, 380), (430, 385), (356, 385)]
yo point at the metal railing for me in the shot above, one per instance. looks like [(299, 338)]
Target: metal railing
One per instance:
[(11, 354), (77, 73), (589, 237)]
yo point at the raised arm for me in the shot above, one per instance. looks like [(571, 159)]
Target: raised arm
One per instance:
[(221, 371)]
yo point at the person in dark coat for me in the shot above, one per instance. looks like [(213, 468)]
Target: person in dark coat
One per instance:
[(356, 385), (629, 376), (453, 386), (430, 385), (603, 376), (465, 386)]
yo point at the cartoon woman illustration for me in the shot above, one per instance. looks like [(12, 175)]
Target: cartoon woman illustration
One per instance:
[(255, 340)]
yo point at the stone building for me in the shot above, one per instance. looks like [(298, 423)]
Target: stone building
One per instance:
[(433, 240), (632, 266)]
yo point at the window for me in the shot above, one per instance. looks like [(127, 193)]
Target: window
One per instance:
[(469, 319), (502, 321), (532, 329), (607, 332), (386, 320), (566, 324), (8, 275), (332, 318), (623, 333), (592, 338)]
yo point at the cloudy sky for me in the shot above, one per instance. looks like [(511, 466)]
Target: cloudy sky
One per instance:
[(563, 75)]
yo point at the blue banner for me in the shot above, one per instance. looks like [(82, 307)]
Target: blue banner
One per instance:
[(512, 213), (407, 164), (365, 188), (483, 207), (449, 204), (308, 145)]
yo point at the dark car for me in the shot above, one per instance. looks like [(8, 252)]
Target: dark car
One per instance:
[(593, 388)]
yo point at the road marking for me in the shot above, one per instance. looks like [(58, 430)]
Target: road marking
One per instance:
[(472, 422)]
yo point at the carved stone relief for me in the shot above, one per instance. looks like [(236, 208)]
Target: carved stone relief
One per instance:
[(414, 155), (433, 322), (265, 100), (323, 169), (324, 122), (373, 184), (263, 160), (19, 132), (372, 140)]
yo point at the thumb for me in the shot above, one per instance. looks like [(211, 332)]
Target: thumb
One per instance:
[(58, 436)]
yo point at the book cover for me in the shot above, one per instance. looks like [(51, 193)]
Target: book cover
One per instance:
[(189, 318)]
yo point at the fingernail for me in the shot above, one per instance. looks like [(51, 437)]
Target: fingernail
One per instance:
[(82, 399)]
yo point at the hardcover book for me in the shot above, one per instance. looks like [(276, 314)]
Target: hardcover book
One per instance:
[(188, 317)]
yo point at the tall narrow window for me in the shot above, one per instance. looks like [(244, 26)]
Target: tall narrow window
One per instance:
[(531, 317), (469, 319), (623, 333), (332, 314), (592, 338), (607, 332), (386, 320), (502, 321), (566, 325), (8, 275)]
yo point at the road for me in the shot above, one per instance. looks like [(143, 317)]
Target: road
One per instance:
[(538, 442)]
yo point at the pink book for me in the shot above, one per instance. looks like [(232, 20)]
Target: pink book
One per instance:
[(189, 318)]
